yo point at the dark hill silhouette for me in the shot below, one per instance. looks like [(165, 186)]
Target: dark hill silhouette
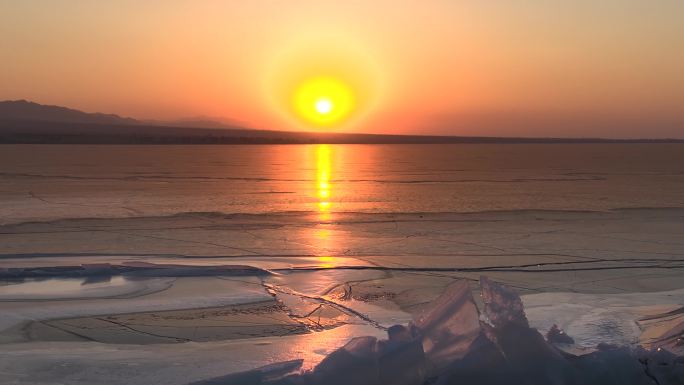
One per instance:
[(197, 121), (26, 122), (25, 110)]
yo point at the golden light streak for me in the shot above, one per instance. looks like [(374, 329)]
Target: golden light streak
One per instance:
[(323, 185), (326, 262)]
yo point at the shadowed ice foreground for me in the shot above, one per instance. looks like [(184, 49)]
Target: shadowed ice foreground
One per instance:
[(451, 342)]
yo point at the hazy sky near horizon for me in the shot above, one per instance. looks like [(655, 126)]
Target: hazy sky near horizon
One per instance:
[(505, 68)]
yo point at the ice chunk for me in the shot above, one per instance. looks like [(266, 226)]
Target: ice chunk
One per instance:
[(484, 364), (612, 365), (367, 361), (401, 361), (448, 326), (529, 357), (662, 366), (501, 304), (354, 363), (557, 336)]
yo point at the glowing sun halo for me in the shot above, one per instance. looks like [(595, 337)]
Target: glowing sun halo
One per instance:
[(323, 101), (330, 82)]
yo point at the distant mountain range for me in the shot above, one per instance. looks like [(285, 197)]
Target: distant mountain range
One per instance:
[(23, 121), (23, 110)]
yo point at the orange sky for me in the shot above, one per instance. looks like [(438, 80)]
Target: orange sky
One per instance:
[(536, 68)]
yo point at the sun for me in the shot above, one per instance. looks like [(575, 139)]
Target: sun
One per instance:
[(329, 83), (324, 106), (323, 101)]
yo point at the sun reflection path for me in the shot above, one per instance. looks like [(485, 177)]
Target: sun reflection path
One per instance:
[(323, 186), (322, 234)]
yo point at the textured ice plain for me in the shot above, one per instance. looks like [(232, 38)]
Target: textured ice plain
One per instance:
[(149, 294), (320, 299), (450, 342), (40, 362), (534, 251), (623, 264)]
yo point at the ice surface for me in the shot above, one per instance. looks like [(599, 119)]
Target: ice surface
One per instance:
[(49, 363), (270, 372), (136, 295), (63, 288), (591, 319)]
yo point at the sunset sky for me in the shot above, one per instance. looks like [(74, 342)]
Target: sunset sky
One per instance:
[(506, 68)]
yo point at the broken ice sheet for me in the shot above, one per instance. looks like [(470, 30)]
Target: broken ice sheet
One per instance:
[(306, 293), (316, 313)]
